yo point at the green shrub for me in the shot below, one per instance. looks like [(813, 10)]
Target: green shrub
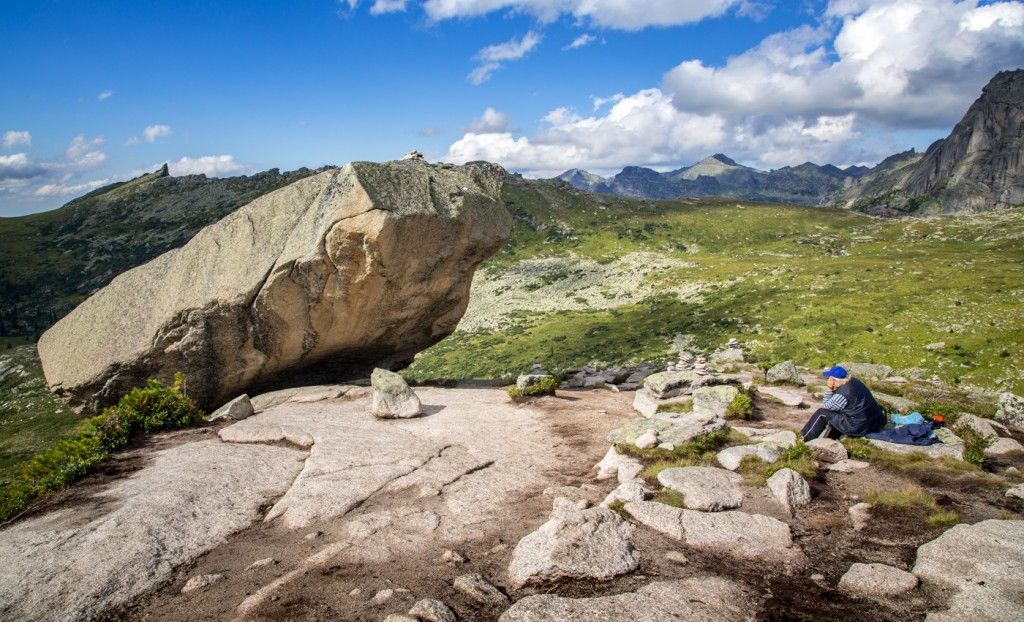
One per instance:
[(974, 444), (798, 457), (149, 408), (741, 407), (544, 386)]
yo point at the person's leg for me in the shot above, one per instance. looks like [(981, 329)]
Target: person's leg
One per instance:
[(816, 424)]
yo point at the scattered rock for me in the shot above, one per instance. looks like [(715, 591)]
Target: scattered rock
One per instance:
[(477, 588), (648, 405), (677, 557), (726, 357), (788, 397), (290, 286), (382, 597), (400, 617), (1002, 447), (1011, 410), (704, 488), (860, 515), (667, 446), (984, 427), (981, 565), (874, 580), (1016, 491), (201, 581), (938, 345), (672, 383), (790, 488), (236, 410), (647, 440), (578, 544), (713, 400), (392, 397), (451, 557), (703, 598), (894, 402), (615, 464), (867, 370), (785, 438), (848, 466), (827, 450), (633, 490), (431, 610), (784, 372), (749, 536), (731, 457), (261, 563)]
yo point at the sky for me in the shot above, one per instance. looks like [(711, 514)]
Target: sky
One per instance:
[(102, 91)]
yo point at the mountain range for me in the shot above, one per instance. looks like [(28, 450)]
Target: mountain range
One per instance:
[(978, 167)]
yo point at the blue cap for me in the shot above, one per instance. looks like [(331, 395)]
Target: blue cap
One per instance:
[(835, 372)]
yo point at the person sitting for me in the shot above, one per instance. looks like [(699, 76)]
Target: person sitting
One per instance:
[(848, 409)]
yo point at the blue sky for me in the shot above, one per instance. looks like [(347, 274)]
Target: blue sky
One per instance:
[(97, 92)]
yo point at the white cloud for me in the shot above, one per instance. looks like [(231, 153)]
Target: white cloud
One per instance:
[(580, 41), (104, 95), (387, 6), (644, 128), (490, 122), (83, 154), (211, 166), (897, 63), (19, 166), (599, 102), (152, 132), (615, 14), (12, 138), (51, 190), (492, 56)]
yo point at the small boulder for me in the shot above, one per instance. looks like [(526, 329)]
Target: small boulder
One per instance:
[(848, 466), (574, 544), (261, 563), (1002, 447), (860, 515), (400, 617), (431, 610), (732, 457), (704, 488), (867, 370), (382, 597), (827, 450), (235, 410), (1011, 410), (477, 588), (531, 381), (714, 400), (1017, 492), (674, 428), (392, 397), (788, 397), (647, 440), (790, 488), (633, 490), (615, 464), (201, 581), (874, 580), (784, 372)]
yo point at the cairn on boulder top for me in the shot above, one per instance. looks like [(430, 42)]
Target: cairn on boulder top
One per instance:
[(355, 267), (392, 397)]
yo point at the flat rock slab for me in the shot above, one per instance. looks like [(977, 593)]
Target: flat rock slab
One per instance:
[(698, 599), (848, 466), (75, 562), (827, 450), (788, 397), (575, 543), (714, 400), (749, 536), (932, 451), (674, 428), (875, 580), (704, 488), (732, 457), (981, 566), (672, 383)]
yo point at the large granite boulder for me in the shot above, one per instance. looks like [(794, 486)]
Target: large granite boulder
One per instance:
[(354, 267)]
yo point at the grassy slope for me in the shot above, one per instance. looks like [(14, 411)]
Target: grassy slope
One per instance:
[(809, 284)]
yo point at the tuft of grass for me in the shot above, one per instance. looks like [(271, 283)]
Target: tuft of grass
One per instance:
[(145, 409), (741, 406), (911, 502), (798, 457), (914, 463), (544, 386), (670, 497), (619, 507), (676, 407), (699, 451), (974, 444)]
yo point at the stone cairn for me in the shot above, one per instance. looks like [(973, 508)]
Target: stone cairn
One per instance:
[(684, 363), (701, 366)]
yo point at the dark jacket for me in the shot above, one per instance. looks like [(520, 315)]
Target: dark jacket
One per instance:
[(862, 414)]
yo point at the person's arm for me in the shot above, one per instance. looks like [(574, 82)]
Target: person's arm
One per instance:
[(833, 401)]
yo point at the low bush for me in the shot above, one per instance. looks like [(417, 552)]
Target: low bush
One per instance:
[(975, 444), (544, 386), (149, 408), (741, 406)]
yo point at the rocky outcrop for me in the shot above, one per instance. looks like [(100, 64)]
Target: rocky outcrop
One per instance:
[(978, 167), (354, 267)]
